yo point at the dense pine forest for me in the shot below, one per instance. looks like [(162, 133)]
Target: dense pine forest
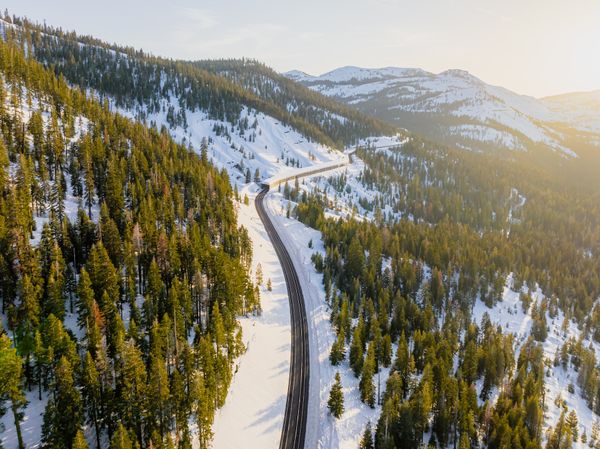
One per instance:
[(122, 270), (446, 229)]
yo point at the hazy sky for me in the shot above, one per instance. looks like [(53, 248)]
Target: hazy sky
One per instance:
[(535, 47)]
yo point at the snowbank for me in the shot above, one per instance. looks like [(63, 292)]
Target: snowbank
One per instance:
[(253, 413)]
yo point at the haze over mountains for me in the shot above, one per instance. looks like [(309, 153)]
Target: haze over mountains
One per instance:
[(456, 108)]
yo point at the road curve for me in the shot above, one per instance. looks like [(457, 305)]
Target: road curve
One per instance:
[(296, 408)]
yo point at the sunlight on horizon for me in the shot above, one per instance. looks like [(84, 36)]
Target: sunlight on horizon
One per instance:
[(539, 48)]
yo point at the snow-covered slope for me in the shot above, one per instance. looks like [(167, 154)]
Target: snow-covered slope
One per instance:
[(580, 109), (256, 142), (453, 106)]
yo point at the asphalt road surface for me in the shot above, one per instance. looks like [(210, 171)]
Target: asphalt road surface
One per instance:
[(296, 408)]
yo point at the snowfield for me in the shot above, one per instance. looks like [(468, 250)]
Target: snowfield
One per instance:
[(254, 410)]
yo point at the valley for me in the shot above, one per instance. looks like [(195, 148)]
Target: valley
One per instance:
[(208, 253)]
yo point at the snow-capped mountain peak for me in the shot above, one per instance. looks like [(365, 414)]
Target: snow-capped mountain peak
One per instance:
[(453, 107)]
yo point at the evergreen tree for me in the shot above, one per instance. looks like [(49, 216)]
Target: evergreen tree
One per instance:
[(92, 395), (366, 441), (64, 412), (121, 439), (356, 349), (80, 441), (337, 354), (10, 384), (335, 403), (366, 386)]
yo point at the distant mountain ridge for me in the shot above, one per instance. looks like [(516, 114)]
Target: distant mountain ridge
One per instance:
[(581, 109), (457, 108)]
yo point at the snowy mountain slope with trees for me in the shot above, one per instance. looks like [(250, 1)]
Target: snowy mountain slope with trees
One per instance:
[(126, 304), (251, 121), (536, 342), (413, 246), (324, 431), (530, 314), (452, 107), (250, 146)]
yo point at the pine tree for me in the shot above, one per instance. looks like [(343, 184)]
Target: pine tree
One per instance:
[(80, 441), (29, 318), (338, 353), (92, 394), (158, 393), (355, 260), (366, 386), (121, 439), (335, 402), (64, 412), (85, 304), (366, 441), (356, 349), (203, 409), (573, 423), (259, 274), (55, 288), (10, 384), (133, 387)]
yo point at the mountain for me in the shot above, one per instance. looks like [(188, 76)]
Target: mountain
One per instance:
[(298, 100), (455, 108), (580, 109), (252, 127), (456, 292)]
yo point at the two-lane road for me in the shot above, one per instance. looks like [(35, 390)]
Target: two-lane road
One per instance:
[(296, 408)]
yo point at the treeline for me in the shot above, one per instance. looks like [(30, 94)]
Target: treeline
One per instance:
[(123, 316), (147, 84)]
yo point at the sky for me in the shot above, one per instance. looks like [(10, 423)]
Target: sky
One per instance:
[(534, 47)]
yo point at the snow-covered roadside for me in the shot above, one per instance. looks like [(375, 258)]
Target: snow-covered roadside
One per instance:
[(253, 413), (323, 431)]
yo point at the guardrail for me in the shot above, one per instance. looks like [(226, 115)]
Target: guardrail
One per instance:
[(307, 171)]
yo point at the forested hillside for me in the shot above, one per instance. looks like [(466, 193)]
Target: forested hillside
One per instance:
[(122, 272), (341, 123), (138, 81), (462, 286), (425, 284)]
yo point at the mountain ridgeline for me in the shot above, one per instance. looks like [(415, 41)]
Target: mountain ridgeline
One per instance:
[(138, 82), (455, 108), (298, 100)]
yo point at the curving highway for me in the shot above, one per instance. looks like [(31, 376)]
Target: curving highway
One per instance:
[(296, 407)]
